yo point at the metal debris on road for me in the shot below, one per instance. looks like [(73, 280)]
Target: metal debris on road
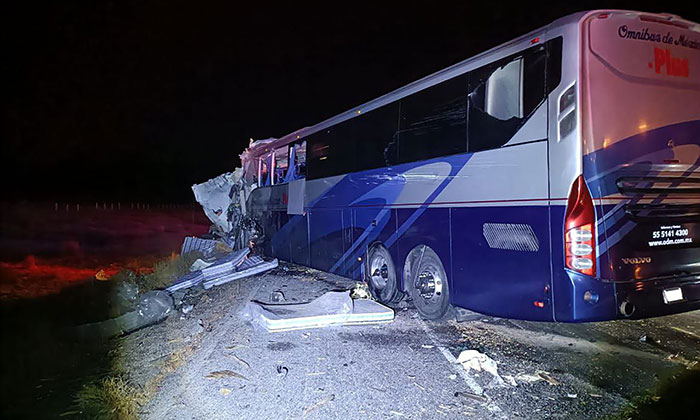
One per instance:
[(332, 308)]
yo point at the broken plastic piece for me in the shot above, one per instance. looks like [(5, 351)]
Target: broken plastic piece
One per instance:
[(332, 308)]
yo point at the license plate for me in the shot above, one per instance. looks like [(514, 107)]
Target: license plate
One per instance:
[(673, 295)]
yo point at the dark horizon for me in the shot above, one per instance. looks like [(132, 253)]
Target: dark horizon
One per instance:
[(139, 100)]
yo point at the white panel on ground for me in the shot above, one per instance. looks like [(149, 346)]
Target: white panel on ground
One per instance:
[(333, 308)]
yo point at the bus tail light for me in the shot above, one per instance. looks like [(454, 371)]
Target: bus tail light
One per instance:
[(579, 230)]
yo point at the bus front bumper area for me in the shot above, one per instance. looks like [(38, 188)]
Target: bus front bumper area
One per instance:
[(583, 298)]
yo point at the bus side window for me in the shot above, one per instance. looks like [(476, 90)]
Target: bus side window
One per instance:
[(300, 160), (433, 121), (502, 96), (281, 164), (264, 171)]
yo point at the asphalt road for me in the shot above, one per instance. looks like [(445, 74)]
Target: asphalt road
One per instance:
[(407, 368)]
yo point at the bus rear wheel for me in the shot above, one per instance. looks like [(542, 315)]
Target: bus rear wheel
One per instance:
[(428, 286), (381, 275)]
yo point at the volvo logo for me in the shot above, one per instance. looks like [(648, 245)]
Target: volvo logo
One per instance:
[(637, 260)]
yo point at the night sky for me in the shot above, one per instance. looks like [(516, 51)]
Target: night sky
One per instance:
[(138, 100)]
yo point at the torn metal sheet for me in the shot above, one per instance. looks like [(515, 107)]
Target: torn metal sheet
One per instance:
[(332, 308), (225, 265), (192, 243), (241, 273), (185, 282), (224, 201)]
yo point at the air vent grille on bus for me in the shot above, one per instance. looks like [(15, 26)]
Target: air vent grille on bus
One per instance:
[(659, 185)]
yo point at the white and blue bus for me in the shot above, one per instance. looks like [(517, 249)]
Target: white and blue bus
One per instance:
[(555, 177)]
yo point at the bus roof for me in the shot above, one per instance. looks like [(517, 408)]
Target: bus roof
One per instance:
[(427, 81)]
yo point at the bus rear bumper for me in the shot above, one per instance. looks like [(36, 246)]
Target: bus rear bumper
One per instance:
[(657, 297)]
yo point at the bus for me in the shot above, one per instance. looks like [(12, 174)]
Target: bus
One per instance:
[(555, 177)]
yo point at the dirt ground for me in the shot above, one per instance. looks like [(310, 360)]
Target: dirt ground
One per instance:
[(404, 369)]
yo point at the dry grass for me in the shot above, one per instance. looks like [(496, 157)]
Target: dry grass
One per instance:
[(166, 271), (114, 398)]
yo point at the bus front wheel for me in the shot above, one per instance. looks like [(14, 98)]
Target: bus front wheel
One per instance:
[(381, 275), (428, 286)]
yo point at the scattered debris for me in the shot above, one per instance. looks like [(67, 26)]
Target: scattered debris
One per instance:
[(199, 264), (277, 296), (572, 396), (319, 404), (596, 395), (476, 397), (510, 380), (526, 377), (250, 269), (427, 346), (472, 359), (397, 413), (224, 391), (241, 361), (187, 309), (547, 377), (360, 291), (232, 266), (152, 307), (282, 371), (686, 332), (332, 308), (453, 377), (192, 243), (645, 339), (225, 374)]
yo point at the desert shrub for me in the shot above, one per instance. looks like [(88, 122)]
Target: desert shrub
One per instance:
[(166, 271), (113, 398)]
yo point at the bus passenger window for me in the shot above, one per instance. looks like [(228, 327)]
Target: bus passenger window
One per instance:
[(281, 164), (433, 122), (502, 96), (263, 170), (300, 160), (504, 91)]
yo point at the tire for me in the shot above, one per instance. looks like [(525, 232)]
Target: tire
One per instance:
[(428, 286), (380, 273)]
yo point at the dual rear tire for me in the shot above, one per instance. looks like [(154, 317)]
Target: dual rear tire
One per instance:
[(425, 280)]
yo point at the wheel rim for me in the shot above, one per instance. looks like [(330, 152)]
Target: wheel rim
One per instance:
[(379, 271), (430, 286)]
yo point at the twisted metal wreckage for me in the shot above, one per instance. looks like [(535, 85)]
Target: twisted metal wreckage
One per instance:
[(231, 251)]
